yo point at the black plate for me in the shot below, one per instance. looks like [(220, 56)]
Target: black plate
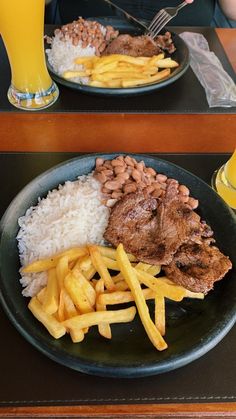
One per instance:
[(193, 326), (181, 55)]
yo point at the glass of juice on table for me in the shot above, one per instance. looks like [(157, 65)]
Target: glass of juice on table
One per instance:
[(22, 31), (224, 181)]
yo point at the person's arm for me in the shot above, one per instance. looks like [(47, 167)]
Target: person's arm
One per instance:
[(228, 8)]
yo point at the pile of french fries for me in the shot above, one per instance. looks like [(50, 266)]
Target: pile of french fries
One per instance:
[(117, 70), (82, 287)]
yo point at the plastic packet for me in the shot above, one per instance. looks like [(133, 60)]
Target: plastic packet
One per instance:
[(219, 87)]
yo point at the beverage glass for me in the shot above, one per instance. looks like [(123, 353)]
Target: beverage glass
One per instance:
[(22, 30), (224, 181)]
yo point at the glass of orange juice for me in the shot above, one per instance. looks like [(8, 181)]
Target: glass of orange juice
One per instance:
[(224, 181), (22, 30)]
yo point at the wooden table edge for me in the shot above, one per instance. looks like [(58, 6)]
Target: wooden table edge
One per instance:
[(216, 410)]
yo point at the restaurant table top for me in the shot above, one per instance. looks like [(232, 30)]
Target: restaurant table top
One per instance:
[(186, 95), (130, 131)]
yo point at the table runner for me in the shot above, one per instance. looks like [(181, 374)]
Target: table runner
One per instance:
[(29, 378)]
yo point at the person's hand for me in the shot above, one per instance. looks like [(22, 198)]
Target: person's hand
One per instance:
[(189, 1)]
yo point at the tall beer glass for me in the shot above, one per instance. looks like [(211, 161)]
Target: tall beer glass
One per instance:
[(224, 181), (22, 30)]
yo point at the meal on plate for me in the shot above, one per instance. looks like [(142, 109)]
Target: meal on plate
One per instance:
[(89, 53), (96, 249)]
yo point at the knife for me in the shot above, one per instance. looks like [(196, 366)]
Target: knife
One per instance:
[(127, 15)]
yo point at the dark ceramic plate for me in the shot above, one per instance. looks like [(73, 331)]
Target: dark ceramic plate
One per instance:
[(181, 55), (193, 326)]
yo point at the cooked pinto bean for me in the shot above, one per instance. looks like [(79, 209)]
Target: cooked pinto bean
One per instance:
[(124, 175)]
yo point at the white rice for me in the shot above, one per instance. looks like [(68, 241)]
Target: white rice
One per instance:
[(72, 215), (62, 54)]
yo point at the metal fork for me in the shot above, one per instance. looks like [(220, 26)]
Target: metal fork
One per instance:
[(162, 18)]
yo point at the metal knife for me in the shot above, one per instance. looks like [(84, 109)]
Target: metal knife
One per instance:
[(127, 15)]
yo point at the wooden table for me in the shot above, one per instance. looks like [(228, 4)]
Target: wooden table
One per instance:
[(74, 132), (127, 132)]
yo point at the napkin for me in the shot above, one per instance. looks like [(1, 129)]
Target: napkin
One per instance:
[(219, 87)]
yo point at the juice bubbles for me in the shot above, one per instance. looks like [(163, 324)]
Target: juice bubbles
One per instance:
[(225, 181), (22, 30)]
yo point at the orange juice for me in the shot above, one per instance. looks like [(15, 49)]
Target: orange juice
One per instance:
[(225, 181), (230, 170), (22, 30)]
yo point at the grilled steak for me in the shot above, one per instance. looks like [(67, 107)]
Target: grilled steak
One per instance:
[(165, 42), (197, 266), (140, 46), (135, 46), (152, 229)]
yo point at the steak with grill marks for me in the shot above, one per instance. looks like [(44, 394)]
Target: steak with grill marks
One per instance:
[(135, 46), (197, 266), (152, 229)]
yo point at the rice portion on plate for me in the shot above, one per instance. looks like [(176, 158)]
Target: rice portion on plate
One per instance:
[(80, 38), (72, 215), (62, 55)]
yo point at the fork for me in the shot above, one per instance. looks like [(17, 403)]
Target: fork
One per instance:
[(162, 18)]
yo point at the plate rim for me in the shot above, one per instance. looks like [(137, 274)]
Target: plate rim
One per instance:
[(187, 356), (128, 91)]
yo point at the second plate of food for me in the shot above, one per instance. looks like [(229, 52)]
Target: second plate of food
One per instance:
[(193, 325), (59, 61)]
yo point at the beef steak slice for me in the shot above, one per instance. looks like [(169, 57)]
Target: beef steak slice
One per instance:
[(135, 46), (198, 266), (152, 229)]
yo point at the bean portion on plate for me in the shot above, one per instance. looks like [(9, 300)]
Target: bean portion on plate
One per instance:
[(124, 175)]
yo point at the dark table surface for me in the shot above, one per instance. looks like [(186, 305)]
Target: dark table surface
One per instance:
[(28, 378), (185, 96)]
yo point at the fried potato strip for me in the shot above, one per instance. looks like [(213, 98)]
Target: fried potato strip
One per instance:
[(84, 283)]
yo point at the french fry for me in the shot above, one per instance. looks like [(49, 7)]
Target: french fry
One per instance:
[(154, 270), (160, 320), (109, 252), (130, 277), (153, 60), (41, 295), (197, 295), (106, 67), (69, 307), (121, 286), (54, 327), (61, 307), (110, 263), (103, 328), (167, 63), (73, 74), (86, 286), (160, 75), (92, 319), (89, 273), (77, 335), (51, 298), (76, 292), (118, 70), (96, 83), (49, 263), (122, 75), (187, 293), (175, 293), (86, 59), (114, 83), (101, 267), (72, 294), (120, 297), (62, 269), (83, 263)]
